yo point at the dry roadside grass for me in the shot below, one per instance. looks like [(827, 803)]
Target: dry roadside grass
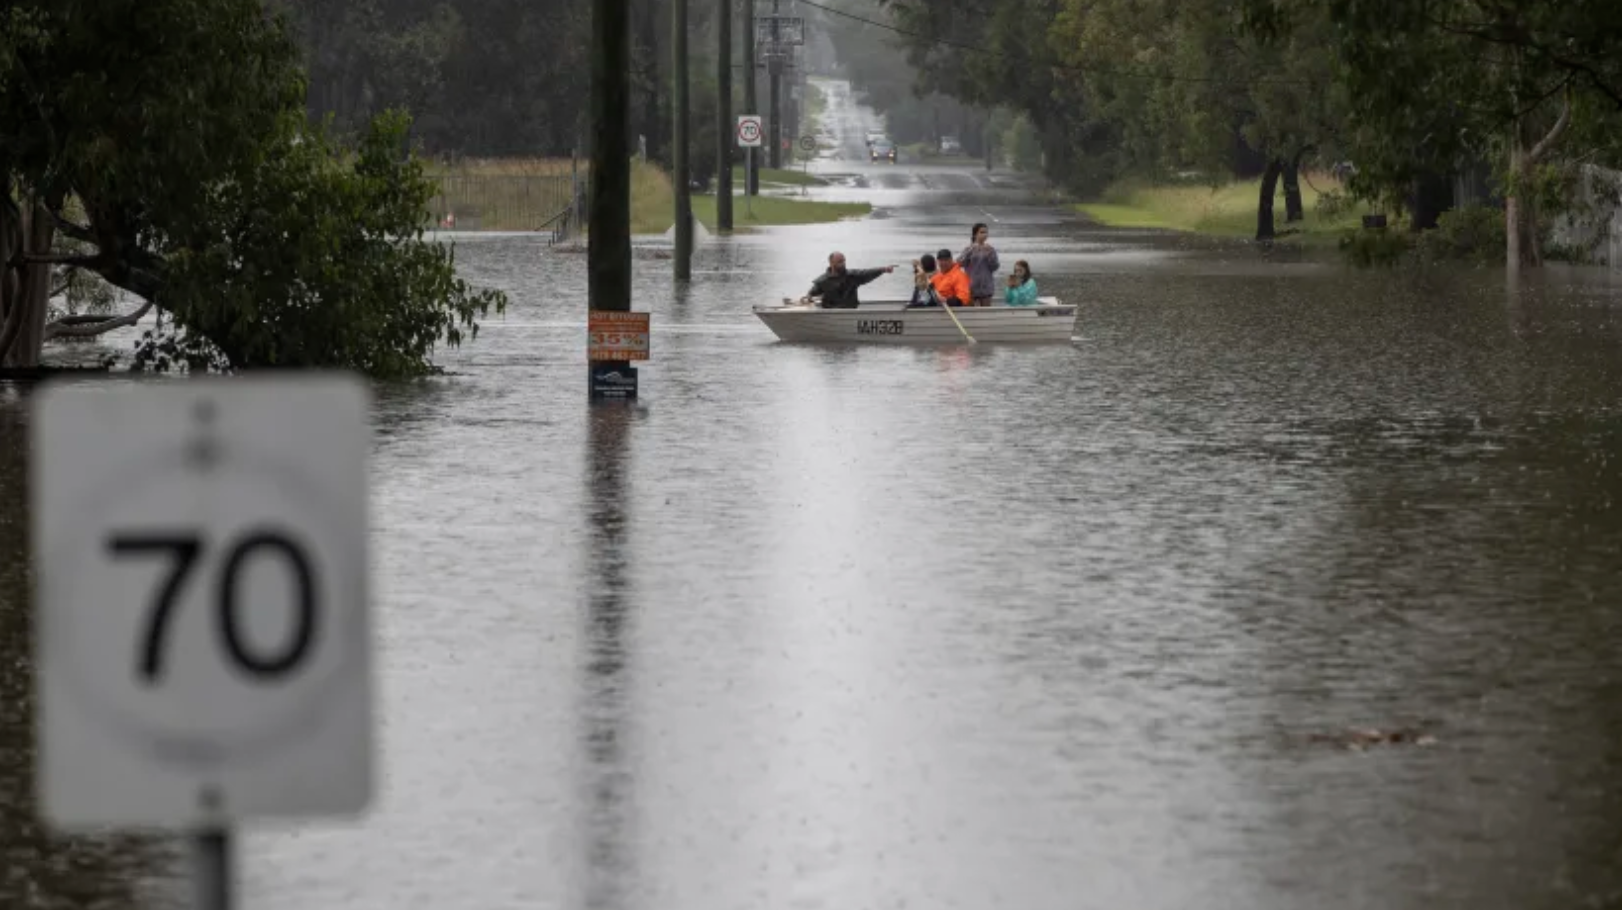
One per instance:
[(1226, 211), (501, 203)]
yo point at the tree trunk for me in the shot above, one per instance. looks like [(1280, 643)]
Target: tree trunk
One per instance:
[(1520, 207), (1293, 209), (1264, 207), (24, 327), (1247, 163), (10, 286), (1432, 195)]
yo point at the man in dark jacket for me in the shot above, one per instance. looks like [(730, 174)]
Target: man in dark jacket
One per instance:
[(837, 286)]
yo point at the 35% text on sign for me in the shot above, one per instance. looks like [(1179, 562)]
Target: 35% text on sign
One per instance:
[(203, 654)]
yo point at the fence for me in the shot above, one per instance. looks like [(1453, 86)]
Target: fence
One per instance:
[(1592, 231), (466, 202)]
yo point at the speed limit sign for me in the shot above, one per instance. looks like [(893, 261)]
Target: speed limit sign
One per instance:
[(808, 143), (749, 131), (204, 645)]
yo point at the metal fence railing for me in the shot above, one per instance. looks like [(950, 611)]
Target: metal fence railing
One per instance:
[(466, 202)]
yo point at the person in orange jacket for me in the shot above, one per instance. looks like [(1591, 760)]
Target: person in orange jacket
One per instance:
[(951, 283)]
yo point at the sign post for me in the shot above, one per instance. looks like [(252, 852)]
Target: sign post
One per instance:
[(749, 138), (615, 337), (203, 650), (808, 145)]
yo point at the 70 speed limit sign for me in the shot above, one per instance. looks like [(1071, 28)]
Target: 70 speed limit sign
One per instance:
[(203, 653), (749, 131)]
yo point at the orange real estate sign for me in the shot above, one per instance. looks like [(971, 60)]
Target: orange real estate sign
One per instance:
[(617, 335)]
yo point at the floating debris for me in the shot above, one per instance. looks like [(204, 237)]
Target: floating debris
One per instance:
[(1359, 739)]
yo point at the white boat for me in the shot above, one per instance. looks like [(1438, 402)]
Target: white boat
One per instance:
[(890, 322)]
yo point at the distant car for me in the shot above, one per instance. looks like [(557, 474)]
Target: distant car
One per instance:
[(950, 146), (882, 149)]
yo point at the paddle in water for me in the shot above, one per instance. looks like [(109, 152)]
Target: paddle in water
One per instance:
[(948, 308)]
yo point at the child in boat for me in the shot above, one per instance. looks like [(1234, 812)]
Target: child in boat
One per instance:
[(923, 293), (1021, 286), (979, 261)]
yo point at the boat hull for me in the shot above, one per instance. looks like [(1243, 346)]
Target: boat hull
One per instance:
[(890, 322)]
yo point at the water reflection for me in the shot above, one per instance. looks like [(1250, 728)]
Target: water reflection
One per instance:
[(39, 869), (609, 863)]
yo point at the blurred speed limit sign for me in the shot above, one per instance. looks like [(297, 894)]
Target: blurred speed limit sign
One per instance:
[(749, 131), (204, 646)]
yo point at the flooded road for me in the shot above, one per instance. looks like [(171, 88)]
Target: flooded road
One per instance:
[(972, 628)]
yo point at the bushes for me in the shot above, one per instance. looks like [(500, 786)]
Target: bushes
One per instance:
[(1367, 249), (1472, 234)]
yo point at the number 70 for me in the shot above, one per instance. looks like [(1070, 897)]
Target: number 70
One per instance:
[(184, 551)]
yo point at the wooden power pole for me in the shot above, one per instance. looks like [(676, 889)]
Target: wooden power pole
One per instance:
[(751, 103), (684, 175), (608, 255), (608, 259), (774, 65), (724, 126)]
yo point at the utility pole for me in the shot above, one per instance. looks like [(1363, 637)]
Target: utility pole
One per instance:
[(774, 62), (684, 175), (723, 123), (751, 104), (608, 255)]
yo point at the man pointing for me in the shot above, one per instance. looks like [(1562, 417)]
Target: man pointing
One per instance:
[(837, 286)]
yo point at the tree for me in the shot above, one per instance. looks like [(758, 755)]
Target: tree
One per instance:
[(1430, 82), (167, 140), (1186, 89)]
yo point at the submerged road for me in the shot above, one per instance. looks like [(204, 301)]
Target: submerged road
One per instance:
[(1058, 628)]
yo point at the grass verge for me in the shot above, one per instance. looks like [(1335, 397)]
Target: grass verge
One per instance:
[(1226, 211), (782, 177), (516, 204), (775, 211)]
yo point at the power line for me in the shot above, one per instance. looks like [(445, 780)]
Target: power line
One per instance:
[(1094, 70)]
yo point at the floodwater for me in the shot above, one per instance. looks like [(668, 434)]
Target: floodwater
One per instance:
[(1045, 628)]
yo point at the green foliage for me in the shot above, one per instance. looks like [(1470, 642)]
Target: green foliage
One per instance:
[(1375, 248), (1333, 205), (1473, 234), (330, 268), (168, 138), (1024, 148)]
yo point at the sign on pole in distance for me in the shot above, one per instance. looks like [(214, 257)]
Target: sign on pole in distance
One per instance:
[(616, 335), (808, 143), (203, 645), (782, 30), (749, 131)]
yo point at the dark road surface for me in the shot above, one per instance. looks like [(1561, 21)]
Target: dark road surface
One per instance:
[(993, 628)]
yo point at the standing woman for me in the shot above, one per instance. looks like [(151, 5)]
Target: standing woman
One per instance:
[(979, 259), (1021, 286)]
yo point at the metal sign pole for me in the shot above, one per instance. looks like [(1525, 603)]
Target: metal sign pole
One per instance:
[(749, 175), (211, 869)]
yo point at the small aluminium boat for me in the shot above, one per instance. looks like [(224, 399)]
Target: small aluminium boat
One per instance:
[(890, 322)]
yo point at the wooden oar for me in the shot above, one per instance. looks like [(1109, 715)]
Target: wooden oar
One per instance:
[(948, 308)]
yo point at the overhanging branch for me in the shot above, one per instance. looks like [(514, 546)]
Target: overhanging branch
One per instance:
[(78, 328), (58, 259)]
